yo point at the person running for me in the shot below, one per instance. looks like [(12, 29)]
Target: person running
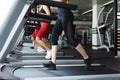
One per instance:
[(36, 29), (42, 35), (65, 22)]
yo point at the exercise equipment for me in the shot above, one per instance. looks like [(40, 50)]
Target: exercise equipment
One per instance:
[(32, 24), (105, 28), (38, 19), (51, 17), (56, 4), (16, 21)]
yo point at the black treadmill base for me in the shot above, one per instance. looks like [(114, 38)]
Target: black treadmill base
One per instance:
[(62, 71)]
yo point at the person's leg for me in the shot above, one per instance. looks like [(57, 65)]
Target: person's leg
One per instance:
[(42, 43), (57, 30), (33, 42), (42, 38), (82, 51), (34, 37), (54, 53), (70, 33), (74, 43)]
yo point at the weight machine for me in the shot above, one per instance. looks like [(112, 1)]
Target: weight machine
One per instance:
[(105, 27)]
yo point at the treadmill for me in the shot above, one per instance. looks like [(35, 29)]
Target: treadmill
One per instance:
[(27, 70)]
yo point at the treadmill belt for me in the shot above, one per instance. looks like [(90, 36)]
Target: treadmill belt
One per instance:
[(80, 70), (62, 71)]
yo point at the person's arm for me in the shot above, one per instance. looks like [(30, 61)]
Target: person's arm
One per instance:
[(65, 1), (46, 9), (68, 1), (56, 1), (59, 0)]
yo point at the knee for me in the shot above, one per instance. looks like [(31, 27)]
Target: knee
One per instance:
[(53, 42), (74, 44), (32, 39), (37, 39)]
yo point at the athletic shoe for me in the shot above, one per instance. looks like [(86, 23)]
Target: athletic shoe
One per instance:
[(32, 48), (41, 50), (48, 55), (50, 65), (88, 63)]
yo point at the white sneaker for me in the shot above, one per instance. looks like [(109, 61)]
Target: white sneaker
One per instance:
[(41, 50), (48, 55)]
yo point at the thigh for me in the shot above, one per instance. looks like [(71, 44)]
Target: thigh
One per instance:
[(35, 33), (43, 31), (57, 30)]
